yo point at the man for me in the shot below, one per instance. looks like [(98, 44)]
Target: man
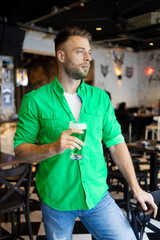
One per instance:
[(75, 188)]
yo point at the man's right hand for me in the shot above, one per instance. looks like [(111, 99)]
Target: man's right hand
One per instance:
[(66, 141)]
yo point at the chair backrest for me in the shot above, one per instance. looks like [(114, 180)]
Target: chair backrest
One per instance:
[(144, 220), (157, 118), (13, 179)]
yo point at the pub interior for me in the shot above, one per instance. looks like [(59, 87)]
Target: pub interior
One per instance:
[(125, 62)]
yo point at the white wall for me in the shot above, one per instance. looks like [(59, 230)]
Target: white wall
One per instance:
[(124, 90), (149, 86)]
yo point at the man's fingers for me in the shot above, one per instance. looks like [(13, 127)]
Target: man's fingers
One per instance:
[(144, 206), (74, 144), (152, 208), (74, 130), (67, 136), (67, 146), (75, 139)]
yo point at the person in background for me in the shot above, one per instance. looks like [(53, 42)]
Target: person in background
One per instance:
[(124, 118), (75, 188), (109, 94)]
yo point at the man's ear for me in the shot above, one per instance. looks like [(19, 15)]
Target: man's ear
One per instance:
[(60, 56)]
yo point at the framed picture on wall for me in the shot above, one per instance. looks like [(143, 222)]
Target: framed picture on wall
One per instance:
[(7, 96), (21, 77), (0, 75)]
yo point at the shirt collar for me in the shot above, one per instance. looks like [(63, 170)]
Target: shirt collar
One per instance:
[(60, 90), (58, 87)]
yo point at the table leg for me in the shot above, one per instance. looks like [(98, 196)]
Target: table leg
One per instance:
[(153, 171)]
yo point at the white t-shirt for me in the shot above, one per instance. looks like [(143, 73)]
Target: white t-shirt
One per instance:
[(75, 103)]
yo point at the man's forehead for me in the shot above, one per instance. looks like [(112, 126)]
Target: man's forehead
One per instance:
[(77, 41)]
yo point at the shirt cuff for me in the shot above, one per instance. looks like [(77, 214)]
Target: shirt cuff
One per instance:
[(114, 141)]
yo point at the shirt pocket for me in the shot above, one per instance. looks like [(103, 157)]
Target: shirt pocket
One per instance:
[(95, 119), (52, 125)]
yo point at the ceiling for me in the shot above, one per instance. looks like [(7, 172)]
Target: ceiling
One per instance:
[(121, 21)]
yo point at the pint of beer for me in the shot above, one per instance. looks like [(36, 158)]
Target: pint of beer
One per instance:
[(76, 153)]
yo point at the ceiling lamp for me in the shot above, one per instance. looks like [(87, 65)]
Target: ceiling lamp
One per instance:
[(151, 44), (98, 28), (149, 71), (81, 7)]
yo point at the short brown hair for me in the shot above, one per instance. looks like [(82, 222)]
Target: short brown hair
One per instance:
[(65, 33)]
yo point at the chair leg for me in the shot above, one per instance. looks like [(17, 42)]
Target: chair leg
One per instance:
[(134, 224), (0, 229), (13, 223), (152, 134), (18, 222), (130, 132), (27, 215), (127, 199), (146, 134)]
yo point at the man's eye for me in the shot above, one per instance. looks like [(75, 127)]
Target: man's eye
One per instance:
[(79, 51)]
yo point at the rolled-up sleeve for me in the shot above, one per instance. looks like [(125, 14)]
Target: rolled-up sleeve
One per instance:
[(111, 128), (28, 125)]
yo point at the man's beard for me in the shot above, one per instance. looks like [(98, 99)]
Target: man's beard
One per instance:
[(74, 71)]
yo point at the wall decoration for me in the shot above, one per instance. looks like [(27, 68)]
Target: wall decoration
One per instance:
[(6, 75), (104, 70), (118, 58), (7, 64), (7, 96), (129, 72), (21, 77)]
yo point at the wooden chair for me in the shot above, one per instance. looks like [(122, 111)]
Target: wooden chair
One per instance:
[(117, 182), (154, 129), (14, 194)]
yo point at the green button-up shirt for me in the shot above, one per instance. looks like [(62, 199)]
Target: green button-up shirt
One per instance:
[(63, 183)]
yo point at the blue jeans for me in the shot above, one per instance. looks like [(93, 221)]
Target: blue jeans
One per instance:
[(105, 221)]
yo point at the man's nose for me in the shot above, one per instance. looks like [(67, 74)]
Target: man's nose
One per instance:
[(87, 57)]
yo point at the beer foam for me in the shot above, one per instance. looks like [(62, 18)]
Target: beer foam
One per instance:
[(78, 125)]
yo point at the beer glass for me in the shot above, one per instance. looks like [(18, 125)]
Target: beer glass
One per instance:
[(76, 153)]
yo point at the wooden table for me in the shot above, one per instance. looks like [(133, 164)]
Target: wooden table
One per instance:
[(7, 159), (138, 146)]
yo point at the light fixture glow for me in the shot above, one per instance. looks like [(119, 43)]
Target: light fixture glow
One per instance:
[(98, 28), (151, 44), (149, 71), (118, 71)]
